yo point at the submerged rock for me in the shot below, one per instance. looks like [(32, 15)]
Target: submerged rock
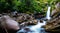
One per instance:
[(27, 29), (41, 21)]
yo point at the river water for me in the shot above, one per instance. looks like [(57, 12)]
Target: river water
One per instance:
[(36, 28)]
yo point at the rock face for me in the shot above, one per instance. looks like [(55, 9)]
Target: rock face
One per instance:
[(53, 24), (56, 11)]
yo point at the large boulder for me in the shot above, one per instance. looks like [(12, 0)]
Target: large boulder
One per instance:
[(9, 23)]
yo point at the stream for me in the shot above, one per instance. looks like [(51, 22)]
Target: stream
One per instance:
[(36, 28)]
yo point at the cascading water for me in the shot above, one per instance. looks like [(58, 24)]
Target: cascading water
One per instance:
[(36, 28), (48, 13)]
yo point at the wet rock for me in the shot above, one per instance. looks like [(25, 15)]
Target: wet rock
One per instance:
[(41, 21), (46, 19), (27, 29), (24, 18), (35, 22), (43, 26), (20, 19), (52, 24), (39, 15), (30, 23), (22, 25)]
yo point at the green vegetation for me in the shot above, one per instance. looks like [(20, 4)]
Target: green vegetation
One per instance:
[(27, 6)]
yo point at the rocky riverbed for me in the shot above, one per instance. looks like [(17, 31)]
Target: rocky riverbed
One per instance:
[(21, 18), (53, 25)]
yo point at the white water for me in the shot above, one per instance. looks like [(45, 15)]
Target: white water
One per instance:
[(48, 13), (36, 28), (14, 12)]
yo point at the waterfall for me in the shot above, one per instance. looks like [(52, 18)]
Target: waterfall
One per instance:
[(48, 13)]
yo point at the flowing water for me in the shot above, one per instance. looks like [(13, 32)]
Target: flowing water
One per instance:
[(36, 28), (48, 13)]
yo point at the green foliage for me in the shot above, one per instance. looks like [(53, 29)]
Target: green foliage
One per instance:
[(27, 5)]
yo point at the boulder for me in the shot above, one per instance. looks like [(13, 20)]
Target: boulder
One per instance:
[(9, 23)]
